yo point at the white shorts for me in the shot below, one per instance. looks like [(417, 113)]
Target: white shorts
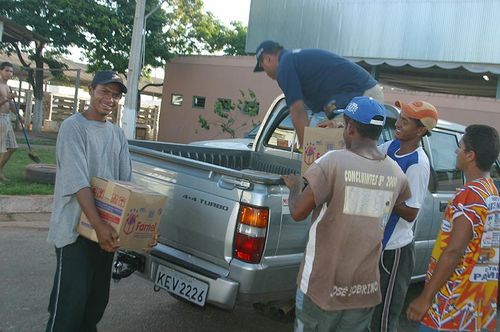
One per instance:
[(7, 136)]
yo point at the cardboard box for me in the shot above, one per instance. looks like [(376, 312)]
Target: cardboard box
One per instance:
[(132, 210), (317, 141)]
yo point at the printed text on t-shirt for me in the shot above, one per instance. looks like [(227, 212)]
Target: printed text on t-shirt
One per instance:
[(359, 289), (353, 176)]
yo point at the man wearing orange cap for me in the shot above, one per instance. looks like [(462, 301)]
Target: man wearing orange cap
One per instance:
[(417, 119)]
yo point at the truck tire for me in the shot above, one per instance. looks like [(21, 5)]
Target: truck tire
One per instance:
[(41, 173)]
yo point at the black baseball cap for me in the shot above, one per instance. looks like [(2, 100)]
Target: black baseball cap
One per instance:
[(264, 47), (108, 76)]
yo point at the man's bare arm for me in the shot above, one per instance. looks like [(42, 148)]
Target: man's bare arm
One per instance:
[(300, 202), (460, 236), (300, 119), (404, 211), (106, 235)]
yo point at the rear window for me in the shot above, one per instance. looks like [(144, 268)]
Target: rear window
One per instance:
[(445, 176), (495, 171), (283, 136)]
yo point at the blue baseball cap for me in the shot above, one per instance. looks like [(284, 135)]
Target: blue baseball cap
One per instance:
[(365, 110), (264, 47)]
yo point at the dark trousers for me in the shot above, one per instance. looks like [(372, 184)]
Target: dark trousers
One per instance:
[(81, 287), (396, 267)]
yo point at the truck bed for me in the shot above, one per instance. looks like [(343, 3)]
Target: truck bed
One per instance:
[(250, 165)]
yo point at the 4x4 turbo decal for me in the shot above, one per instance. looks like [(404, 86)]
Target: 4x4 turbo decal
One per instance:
[(207, 203)]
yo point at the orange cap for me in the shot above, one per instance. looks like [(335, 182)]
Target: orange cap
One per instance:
[(420, 110)]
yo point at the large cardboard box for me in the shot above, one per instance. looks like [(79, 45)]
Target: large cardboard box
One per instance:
[(317, 141), (132, 210)]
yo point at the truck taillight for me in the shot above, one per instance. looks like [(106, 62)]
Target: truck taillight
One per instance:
[(251, 233)]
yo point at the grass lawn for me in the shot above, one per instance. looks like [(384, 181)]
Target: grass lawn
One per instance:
[(14, 170)]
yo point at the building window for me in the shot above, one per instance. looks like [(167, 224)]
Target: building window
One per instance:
[(199, 102), (176, 99)]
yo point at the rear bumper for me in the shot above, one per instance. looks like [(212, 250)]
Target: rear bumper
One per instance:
[(273, 279)]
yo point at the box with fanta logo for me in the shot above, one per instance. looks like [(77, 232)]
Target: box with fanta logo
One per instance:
[(132, 210)]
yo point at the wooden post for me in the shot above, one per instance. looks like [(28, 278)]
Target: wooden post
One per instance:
[(77, 86), (50, 103), (27, 113), (19, 93), (156, 122), (498, 87)]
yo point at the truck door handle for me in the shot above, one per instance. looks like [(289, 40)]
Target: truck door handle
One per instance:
[(231, 183), (443, 205)]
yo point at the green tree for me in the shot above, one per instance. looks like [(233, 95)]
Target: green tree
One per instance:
[(231, 41), (235, 39), (59, 28), (103, 29), (224, 109)]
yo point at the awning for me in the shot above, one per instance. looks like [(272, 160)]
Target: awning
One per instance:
[(439, 77)]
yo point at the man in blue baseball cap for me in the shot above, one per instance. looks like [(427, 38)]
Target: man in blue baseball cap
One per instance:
[(352, 193), (314, 79)]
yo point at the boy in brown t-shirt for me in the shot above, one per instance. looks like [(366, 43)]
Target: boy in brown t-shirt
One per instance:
[(355, 190)]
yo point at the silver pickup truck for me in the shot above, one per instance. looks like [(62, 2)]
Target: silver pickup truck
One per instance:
[(227, 236)]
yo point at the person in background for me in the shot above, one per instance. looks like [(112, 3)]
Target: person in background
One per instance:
[(461, 288), (8, 144), (416, 120), (314, 79), (352, 193), (87, 145)]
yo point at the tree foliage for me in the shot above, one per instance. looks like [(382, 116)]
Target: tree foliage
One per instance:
[(235, 39), (224, 108), (103, 29)]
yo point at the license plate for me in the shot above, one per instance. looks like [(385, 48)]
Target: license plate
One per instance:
[(182, 285)]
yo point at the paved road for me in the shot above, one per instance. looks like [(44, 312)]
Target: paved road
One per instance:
[(27, 265)]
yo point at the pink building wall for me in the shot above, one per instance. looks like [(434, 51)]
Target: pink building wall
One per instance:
[(212, 77), (465, 110), (224, 76)]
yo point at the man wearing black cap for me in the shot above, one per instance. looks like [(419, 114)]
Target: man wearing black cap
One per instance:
[(314, 79), (87, 145)]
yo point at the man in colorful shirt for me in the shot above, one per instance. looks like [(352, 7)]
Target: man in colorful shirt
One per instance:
[(416, 120), (355, 189), (461, 287)]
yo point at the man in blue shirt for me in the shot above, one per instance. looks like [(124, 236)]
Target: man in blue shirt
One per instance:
[(314, 79)]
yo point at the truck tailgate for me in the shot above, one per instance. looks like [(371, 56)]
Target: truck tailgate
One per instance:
[(201, 210)]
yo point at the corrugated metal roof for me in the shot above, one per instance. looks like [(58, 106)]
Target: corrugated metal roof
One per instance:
[(452, 32)]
